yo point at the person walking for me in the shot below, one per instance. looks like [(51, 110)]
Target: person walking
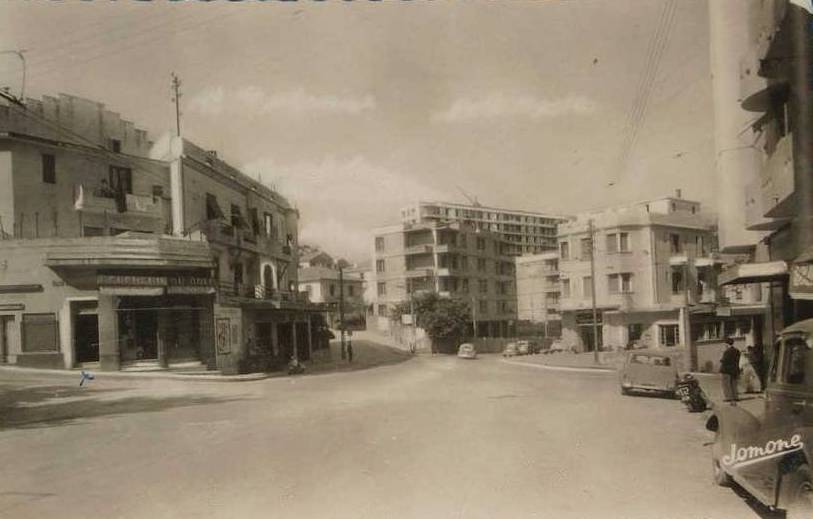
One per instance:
[(349, 350), (730, 370), (748, 381)]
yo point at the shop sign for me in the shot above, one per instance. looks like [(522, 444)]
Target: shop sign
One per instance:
[(154, 281), (801, 280), (587, 318)]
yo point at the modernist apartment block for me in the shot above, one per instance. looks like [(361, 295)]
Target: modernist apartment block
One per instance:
[(117, 253), (539, 291), (655, 279), (524, 232), (451, 259)]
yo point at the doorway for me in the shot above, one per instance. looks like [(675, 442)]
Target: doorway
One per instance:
[(5, 336), (86, 338), (588, 339), (146, 336)]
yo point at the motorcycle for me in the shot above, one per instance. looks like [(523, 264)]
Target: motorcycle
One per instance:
[(691, 394), (295, 367)]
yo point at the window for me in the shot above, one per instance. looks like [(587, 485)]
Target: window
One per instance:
[(613, 286), (382, 289), (669, 334), (677, 282), (238, 274), (40, 333), (585, 248), (121, 179), (565, 288), (634, 331), (483, 307), (481, 244), (236, 216), (268, 221), (564, 250), (674, 240), (351, 291), (157, 191), (794, 361), (624, 242), (115, 145), (587, 286), (612, 243), (332, 290), (465, 287), (463, 240), (481, 264), (483, 285), (379, 265), (48, 169), (213, 211), (626, 283)]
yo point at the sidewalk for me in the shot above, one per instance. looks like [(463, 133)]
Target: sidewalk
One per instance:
[(608, 361), (367, 354)]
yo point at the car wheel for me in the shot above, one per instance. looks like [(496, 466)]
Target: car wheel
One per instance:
[(800, 502), (721, 477)]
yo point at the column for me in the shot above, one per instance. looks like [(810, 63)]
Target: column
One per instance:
[(109, 356), (161, 339), (293, 338), (310, 337), (275, 339)]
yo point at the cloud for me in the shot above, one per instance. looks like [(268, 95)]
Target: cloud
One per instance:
[(342, 200), (253, 100), (500, 105)]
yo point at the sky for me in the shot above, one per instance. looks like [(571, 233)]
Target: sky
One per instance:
[(355, 109)]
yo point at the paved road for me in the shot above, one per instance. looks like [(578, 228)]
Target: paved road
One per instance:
[(428, 437)]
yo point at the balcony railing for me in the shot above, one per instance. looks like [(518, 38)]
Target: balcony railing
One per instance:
[(263, 292), (90, 200)]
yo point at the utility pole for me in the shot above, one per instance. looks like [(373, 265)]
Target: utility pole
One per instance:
[(592, 246), (473, 317), (176, 89), (341, 310)]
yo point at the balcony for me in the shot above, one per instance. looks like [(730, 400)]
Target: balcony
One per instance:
[(230, 289), (755, 219), (91, 201), (778, 182), (418, 249), (419, 273)]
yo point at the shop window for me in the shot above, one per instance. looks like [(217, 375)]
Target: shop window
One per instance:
[(40, 332), (48, 168)]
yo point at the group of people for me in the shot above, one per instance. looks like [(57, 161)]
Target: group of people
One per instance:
[(742, 372)]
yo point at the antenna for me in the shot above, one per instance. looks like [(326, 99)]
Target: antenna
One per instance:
[(471, 199), (176, 89)]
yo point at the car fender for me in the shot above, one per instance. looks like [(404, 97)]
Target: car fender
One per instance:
[(729, 423)]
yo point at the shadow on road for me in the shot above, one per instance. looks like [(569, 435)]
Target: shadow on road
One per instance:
[(47, 406), (366, 355), (761, 510)]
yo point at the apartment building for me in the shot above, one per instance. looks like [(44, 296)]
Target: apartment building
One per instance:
[(764, 122), (539, 291), (118, 253), (655, 280), (328, 286), (451, 259), (524, 232)]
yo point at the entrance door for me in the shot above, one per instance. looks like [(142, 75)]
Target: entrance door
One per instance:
[(588, 340), (86, 338), (146, 334)]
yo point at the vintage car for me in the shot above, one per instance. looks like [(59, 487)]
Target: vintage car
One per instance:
[(467, 351), (649, 370), (523, 347), (511, 350), (766, 445)]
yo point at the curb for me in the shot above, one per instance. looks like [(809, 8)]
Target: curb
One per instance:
[(142, 375), (561, 368)]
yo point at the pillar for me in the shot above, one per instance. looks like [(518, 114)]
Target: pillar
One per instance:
[(161, 339), (310, 338), (176, 187), (293, 338), (275, 339), (109, 354)]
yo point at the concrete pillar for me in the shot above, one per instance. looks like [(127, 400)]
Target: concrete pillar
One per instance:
[(737, 163), (310, 338), (176, 187), (109, 355), (275, 339), (801, 112), (161, 339), (293, 339)]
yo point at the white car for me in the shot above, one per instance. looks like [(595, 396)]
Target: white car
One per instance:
[(467, 351)]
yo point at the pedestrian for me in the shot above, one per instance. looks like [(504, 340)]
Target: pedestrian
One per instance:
[(349, 350), (730, 370), (758, 361), (749, 381)]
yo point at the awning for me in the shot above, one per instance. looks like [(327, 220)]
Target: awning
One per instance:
[(745, 273)]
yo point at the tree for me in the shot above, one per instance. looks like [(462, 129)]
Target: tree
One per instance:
[(443, 318)]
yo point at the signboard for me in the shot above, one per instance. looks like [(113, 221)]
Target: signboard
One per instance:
[(222, 336), (801, 281), (153, 285), (585, 318), (723, 311)]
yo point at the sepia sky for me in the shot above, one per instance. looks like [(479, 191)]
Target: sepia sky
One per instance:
[(354, 109)]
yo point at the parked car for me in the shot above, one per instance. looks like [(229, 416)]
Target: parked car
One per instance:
[(766, 446), (555, 347), (510, 350), (467, 351), (523, 348), (651, 371)]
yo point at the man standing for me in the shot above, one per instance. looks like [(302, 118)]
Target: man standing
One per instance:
[(730, 369)]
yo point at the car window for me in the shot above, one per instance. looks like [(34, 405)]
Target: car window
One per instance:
[(794, 361), (775, 361)]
